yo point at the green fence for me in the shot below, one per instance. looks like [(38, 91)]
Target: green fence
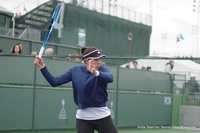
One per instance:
[(6, 43), (137, 98)]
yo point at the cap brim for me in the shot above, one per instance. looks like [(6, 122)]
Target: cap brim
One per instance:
[(98, 56), (95, 54)]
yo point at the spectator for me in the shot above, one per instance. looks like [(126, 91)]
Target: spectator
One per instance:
[(128, 65), (148, 68), (16, 49), (135, 64), (90, 83), (169, 67), (49, 51), (143, 68), (21, 47), (192, 87), (34, 53), (193, 84), (1, 50), (75, 58)]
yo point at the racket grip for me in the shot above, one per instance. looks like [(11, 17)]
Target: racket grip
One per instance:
[(41, 52)]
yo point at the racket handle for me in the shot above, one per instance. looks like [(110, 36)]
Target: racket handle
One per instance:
[(41, 52)]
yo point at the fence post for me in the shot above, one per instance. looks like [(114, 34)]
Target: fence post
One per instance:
[(102, 5), (34, 90), (117, 92)]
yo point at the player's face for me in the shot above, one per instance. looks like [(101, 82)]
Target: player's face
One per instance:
[(97, 63), (94, 62)]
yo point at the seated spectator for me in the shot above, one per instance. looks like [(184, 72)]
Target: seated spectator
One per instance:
[(148, 68), (49, 51), (1, 50), (169, 67), (192, 87), (135, 64), (17, 49), (33, 53), (21, 47), (75, 57), (128, 65), (193, 84), (143, 68)]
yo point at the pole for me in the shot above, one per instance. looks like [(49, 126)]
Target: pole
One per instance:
[(197, 50), (117, 93), (13, 29), (129, 49), (194, 33), (95, 8), (34, 98), (164, 36), (130, 39), (197, 9)]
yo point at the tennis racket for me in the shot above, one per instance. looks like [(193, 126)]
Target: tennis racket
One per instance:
[(51, 25)]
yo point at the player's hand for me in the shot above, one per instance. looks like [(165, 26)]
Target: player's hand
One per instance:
[(39, 62), (91, 66)]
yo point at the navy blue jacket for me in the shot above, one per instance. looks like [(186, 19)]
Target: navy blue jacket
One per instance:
[(88, 90)]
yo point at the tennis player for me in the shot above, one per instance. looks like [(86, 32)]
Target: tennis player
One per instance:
[(89, 83)]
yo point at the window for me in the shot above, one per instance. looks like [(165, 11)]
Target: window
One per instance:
[(5, 21)]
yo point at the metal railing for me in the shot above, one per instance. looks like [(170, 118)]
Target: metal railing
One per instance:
[(114, 9), (28, 33)]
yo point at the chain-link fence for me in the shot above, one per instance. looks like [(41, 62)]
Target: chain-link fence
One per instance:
[(114, 8), (138, 97)]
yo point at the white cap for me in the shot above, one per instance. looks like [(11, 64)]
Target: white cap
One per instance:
[(192, 75)]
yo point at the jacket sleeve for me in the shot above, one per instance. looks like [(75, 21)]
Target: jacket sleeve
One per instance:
[(105, 75), (56, 81)]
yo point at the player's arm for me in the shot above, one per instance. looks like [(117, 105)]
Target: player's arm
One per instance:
[(105, 75), (53, 81)]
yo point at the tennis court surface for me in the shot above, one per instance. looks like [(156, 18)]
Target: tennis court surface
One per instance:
[(126, 130)]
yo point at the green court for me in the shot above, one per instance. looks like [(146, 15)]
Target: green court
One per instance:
[(125, 130)]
